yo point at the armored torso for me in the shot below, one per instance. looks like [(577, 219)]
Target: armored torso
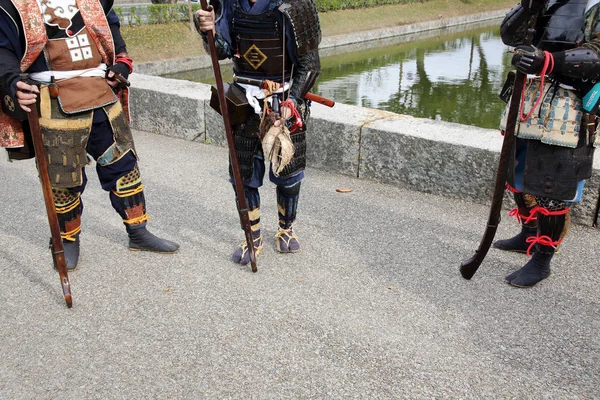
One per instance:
[(258, 43), (563, 23)]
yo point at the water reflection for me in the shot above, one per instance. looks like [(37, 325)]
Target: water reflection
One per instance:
[(453, 78)]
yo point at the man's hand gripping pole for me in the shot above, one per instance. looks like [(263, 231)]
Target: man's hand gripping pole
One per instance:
[(237, 176), (58, 252)]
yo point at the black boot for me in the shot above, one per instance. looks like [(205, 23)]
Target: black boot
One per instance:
[(525, 203), (551, 229), (71, 248), (140, 239), (517, 243), (537, 269), (71, 253)]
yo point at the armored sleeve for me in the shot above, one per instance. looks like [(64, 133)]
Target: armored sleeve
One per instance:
[(223, 48), (514, 26), (582, 62), (308, 69), (223, 17)]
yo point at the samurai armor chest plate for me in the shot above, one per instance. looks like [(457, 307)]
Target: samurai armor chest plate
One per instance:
[(563, 25), (259, 40)]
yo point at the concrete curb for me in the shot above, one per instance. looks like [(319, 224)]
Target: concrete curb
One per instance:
[(342, 43), (419, 154)]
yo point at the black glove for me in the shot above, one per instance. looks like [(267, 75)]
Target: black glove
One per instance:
[(119, 68), (533, 6), (528, 59)]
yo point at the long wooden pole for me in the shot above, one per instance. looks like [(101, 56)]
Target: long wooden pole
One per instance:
[(237, 176), (58, 252), (470, 266)]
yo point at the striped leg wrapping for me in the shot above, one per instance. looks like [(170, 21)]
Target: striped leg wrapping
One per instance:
[(130, 191), (68, 210)]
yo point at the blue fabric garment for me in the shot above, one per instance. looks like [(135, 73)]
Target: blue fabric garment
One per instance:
[(258, 175)]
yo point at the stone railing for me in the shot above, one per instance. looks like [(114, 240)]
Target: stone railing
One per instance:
[(419, 154)]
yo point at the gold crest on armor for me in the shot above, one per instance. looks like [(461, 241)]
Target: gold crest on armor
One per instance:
[(255, 57), (10, 104)]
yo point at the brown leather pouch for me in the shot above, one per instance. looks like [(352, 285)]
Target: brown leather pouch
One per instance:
[(237, 104)]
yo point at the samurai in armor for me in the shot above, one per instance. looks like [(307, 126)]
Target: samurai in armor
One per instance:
[(556, 127), (273, 41), (77, 63)]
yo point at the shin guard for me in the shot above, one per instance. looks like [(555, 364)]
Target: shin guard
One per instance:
[(241, 254), (552, 217), (287, 204), (68, 208)]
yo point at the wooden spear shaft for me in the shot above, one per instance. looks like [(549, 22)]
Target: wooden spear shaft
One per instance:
[(237, 176), (58, 252)]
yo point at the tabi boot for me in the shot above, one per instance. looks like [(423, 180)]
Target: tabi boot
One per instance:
[(241, 254), (140, 239), (128, 200), (286, 240), (518, 243), (551, 229), (71, 253), (68, 208)]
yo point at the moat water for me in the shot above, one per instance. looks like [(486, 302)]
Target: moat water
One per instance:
[(449, 77)]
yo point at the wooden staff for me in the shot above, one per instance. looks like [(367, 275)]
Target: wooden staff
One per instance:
[(242, 205), (470, 266), (58, 252)]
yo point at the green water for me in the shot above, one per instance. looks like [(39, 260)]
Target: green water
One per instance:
[(453, 78)]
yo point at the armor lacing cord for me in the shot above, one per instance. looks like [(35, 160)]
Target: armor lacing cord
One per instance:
[(298, 119), (137, 220), (515, 213), (545, 71), (511, 189), (543, 240), (544, 211), (256, 242), (287, 232)]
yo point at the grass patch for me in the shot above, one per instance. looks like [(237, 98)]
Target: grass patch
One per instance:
[(147, 43)]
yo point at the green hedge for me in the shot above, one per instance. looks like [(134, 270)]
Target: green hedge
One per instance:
[(166, 13), (332, 5), (154, 13)]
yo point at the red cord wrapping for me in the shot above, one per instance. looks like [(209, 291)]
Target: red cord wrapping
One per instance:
[(543, 240), (544, 211), (125, 59), (549, 58)]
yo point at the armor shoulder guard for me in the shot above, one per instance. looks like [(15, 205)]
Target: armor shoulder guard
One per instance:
[(304, 18), (514, 27)]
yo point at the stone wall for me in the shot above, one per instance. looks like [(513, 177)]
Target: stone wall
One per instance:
[(418, 154)]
